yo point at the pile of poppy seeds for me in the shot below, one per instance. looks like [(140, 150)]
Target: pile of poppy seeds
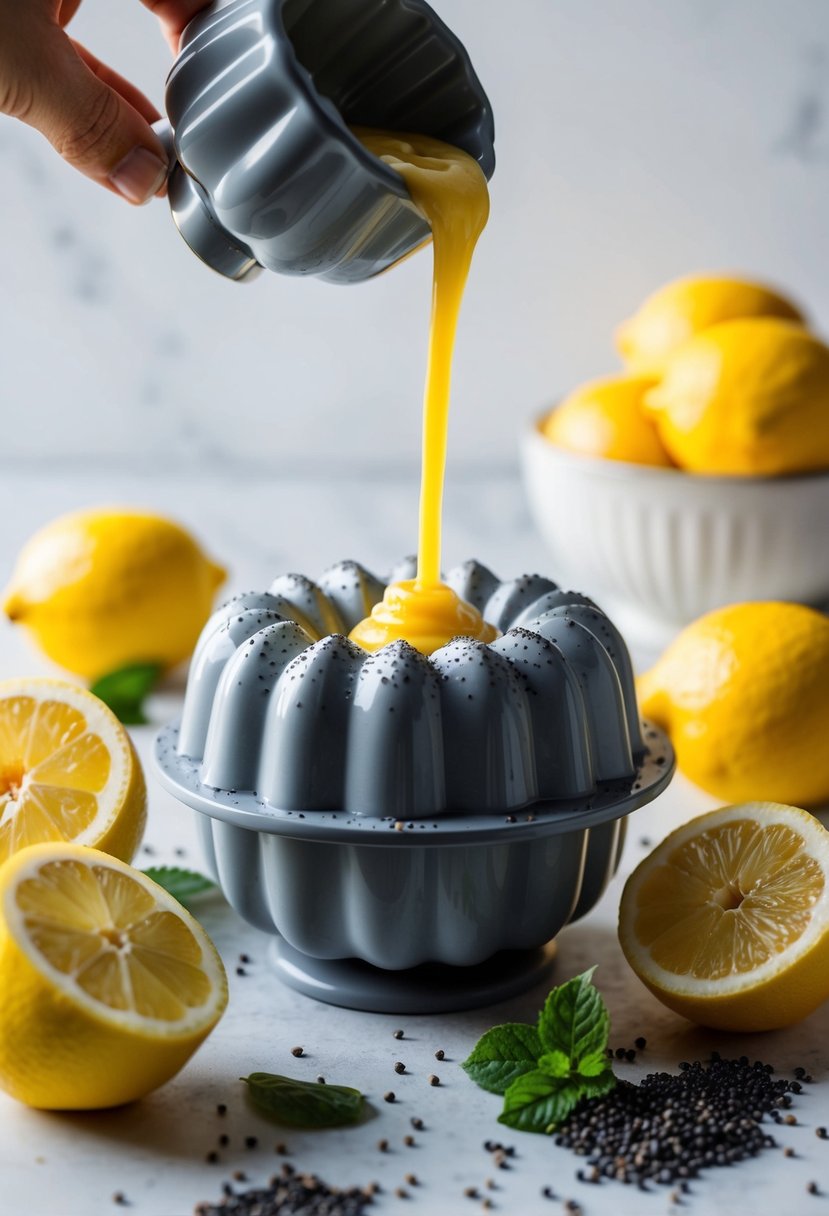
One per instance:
[(290, 1194), (673, 1125)]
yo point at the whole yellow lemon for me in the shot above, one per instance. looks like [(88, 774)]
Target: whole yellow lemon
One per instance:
[(743, 693), (101, 589), (746, 397), (686, 307), (605, 418)]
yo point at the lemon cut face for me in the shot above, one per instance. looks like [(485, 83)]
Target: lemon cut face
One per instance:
[(68, 770), (107, 984), (727, 921)]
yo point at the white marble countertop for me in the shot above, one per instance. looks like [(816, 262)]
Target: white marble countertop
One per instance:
[(154, 1151)]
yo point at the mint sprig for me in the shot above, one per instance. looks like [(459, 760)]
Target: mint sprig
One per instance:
[(544, 1071)]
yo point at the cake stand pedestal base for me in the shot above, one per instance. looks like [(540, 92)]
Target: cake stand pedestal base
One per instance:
[(431, 988)]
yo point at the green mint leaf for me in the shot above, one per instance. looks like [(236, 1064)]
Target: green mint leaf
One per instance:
[(182, 884), (574, 1019), (595, 1087), (502, 1055), (537, 1103), (125, 691), (555, 1064), (304, 1103), (593, 1064)]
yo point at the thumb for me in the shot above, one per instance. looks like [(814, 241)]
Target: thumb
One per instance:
[(93, 126)]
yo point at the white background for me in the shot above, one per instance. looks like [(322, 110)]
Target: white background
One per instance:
[(636, 140)]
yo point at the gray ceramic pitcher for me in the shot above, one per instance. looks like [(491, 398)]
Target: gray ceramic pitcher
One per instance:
[(260, 101)]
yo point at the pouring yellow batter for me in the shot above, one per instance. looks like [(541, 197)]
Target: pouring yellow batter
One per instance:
[(450, 189)]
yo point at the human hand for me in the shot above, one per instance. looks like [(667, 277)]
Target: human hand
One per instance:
[(92, 116)]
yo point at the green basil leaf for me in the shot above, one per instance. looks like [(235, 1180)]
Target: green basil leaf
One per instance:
[(574, 1019), (304, 1103), (182, 884), (126, 689), (537, 1103), (593, 1064), (502, 1055), (555, 1064)]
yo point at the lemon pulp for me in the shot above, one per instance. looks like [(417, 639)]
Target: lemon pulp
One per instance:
[(450, 189), (729, 900), (103, 929), (68, 770)]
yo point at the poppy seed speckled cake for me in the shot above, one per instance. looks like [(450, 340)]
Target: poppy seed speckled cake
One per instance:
[(414, 830), (281, 702)]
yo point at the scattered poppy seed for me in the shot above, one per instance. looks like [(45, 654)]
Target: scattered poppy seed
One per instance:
[(812, 1188), (383, 1146), (490, 1184), (620, 1054), (297, 1051), (417, 1124), (821, 1133), (788, 1151), (251, 1142), (433, 1080), (471, 1192), (398, 1034), (440, 1054), (224, 1140), (245, 958), (640, 1043), (547, 1192), (239, 1176), (411, 1179), (409, 1141), (212, 1157), (791, 1120), (388, 1097), (221, 1109), (630, 1055), (401, 1191), (486, 1204), (281, 1149), (400, 1067), (120, 1198), (241, 971), (799, 1073)]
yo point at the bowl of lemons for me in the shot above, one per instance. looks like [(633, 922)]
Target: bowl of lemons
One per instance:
[(699, 475)]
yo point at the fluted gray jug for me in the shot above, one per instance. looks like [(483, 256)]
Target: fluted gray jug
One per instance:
[(261, 100)]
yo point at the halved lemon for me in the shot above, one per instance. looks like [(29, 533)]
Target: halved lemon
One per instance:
[(107, 985), (727, 920), (68, 770)]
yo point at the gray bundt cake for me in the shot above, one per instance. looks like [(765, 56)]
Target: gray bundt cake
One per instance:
[(279, 701)]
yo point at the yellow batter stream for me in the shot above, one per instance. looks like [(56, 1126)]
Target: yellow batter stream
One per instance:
[(450, 189)]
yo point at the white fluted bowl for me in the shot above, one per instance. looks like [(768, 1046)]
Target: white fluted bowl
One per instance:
[(660, 547)]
